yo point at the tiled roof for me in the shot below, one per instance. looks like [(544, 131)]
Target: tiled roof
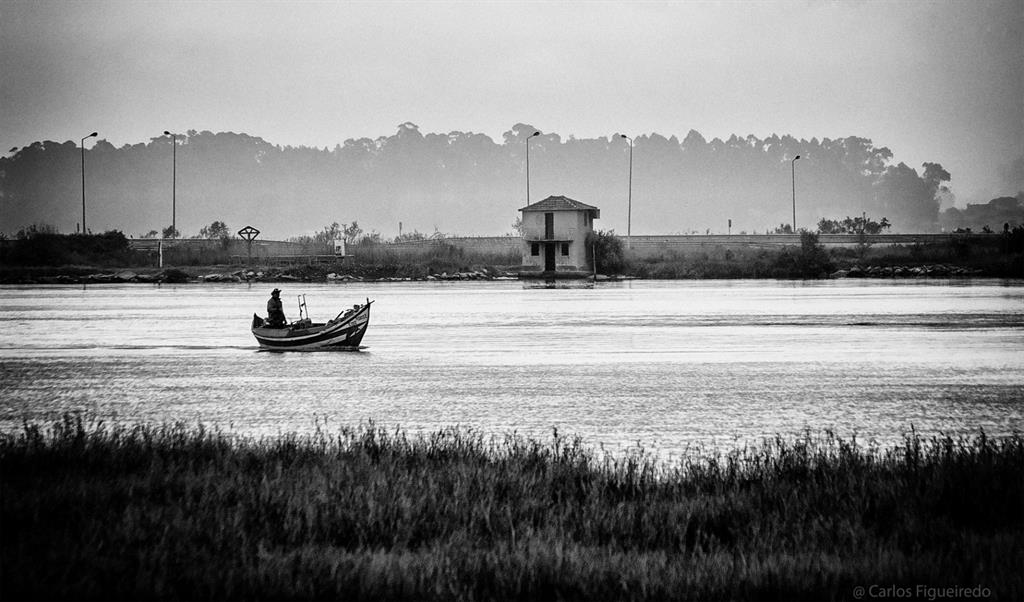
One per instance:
[(559, 203)]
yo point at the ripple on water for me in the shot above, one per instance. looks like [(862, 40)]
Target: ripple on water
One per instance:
[(668, 365)]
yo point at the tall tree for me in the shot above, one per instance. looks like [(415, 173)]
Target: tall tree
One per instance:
[(462, 182)]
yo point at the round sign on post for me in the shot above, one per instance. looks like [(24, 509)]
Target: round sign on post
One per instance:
[(249, 234)]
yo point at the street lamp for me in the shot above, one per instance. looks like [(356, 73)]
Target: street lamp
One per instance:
[(82, 145), (174, 181), (792, 165), (533, 135), (13, 150), (629, 203)]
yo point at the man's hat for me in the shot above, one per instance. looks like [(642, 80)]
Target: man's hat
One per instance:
[(275, 291)]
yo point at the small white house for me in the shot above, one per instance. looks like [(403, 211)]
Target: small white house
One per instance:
[(554, 235)]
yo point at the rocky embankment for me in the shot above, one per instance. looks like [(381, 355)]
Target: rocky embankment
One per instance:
[(198, 275), (302, 276), (81, 275), (29, 277), (903, 271)]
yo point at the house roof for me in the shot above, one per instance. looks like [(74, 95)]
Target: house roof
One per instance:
[(561, 203)]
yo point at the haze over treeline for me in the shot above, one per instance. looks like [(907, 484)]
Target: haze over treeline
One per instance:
[(465, 183)]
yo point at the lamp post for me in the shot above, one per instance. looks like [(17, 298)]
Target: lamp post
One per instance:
[(792, 166), (82, 145), (13, 150), (629, 201), (533, 135), (174, 182)]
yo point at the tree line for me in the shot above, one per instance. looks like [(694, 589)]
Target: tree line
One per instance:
[(465, 183)]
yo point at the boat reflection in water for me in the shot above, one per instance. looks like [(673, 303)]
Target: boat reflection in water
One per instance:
[(343, 333)]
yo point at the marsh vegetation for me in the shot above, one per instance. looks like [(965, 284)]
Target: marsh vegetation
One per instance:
[(171, 511)]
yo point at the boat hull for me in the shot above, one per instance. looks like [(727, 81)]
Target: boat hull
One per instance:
[(343, 333)]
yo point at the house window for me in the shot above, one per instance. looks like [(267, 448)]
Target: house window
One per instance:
[(565, 249), (535, 250)]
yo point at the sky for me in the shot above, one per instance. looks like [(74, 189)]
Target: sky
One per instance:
[(935, 81)]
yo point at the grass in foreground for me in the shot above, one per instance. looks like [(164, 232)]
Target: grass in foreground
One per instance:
[(90, 511)]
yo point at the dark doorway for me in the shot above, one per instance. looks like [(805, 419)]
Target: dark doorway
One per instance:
[(549, 257)]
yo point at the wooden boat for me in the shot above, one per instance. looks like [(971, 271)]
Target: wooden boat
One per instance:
[(344, 332)]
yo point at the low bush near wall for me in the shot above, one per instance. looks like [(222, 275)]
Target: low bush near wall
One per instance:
[(810, 260), (989, 257), (196, 255), (38, 248), (422, 261)]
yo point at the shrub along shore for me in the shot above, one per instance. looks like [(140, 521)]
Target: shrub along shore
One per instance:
[(671, 269), (30, 262), (173, 512)]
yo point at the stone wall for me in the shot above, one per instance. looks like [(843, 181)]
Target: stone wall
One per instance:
[(484, 245), (639, 245), (260, 248)]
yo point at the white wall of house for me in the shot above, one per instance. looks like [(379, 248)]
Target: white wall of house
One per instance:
[(569, 236)]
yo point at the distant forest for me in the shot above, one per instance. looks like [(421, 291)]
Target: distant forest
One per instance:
[(464, 183)]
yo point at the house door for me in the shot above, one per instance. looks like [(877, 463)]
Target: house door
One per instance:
[(549, 257), (549, 225)]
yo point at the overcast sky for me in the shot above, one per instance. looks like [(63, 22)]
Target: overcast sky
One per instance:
[(934, 81)]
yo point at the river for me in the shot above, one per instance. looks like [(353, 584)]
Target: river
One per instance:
[(666, 365)]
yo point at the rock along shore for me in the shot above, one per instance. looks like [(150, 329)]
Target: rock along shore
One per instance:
[(81, 275), (195, 275)]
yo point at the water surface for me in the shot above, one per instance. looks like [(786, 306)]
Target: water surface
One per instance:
[(667, 365)]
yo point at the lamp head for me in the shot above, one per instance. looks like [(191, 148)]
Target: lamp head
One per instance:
[(93, 134), (166, 133), (796, 157), (534, 134)]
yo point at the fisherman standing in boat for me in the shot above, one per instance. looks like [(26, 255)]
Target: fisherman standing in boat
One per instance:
[(275, 311)]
